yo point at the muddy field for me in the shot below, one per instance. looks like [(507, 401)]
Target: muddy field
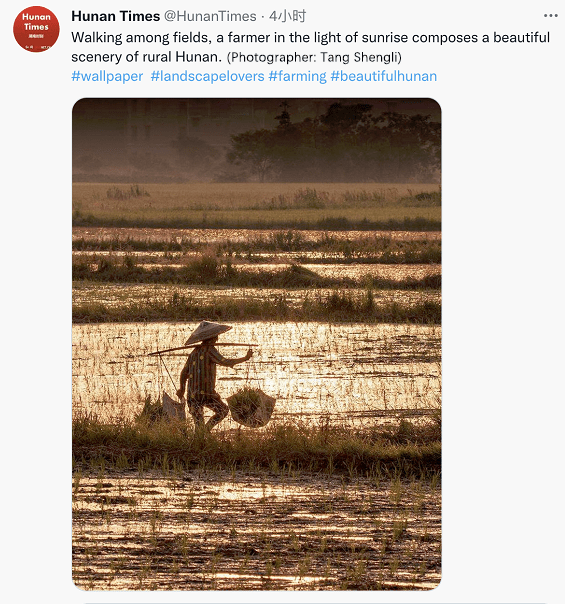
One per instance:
[(238, 531)]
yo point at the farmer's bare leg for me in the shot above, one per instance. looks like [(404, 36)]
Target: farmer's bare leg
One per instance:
[(219, 408), (196, 409)]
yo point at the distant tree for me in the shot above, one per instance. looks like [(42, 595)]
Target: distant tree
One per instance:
[(415, 139), (254, 151), (340, 119), (284, 117), (193, 152), (291, 146)]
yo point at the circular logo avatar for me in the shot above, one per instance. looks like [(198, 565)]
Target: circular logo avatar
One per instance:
[(36, 29)]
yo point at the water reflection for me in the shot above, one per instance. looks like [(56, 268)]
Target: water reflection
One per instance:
[(213, 236)]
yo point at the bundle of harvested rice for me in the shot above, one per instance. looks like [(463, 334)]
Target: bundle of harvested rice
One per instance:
[(251, 407)]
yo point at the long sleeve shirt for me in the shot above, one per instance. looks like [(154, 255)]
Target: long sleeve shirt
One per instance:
[(200, 370)]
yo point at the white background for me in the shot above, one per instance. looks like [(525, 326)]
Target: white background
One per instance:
[(502, 116)]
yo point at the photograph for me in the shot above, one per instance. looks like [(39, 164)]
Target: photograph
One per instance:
[(256, 344)]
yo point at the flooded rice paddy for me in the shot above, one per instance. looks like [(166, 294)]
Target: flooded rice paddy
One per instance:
[(265, 262), (347, 372), (116, 294), (283, 531), (214, 236)]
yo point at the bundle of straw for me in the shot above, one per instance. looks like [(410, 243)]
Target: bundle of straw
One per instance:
[(251, 407)]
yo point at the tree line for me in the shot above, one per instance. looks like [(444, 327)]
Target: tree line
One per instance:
[(346, 144)]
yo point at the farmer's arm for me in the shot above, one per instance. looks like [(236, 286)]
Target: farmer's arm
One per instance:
[(221, 360), (183, 378)]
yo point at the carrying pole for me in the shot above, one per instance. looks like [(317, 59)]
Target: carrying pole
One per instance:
[(150, 354)]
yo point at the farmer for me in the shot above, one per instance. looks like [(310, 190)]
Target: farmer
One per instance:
[(200, 373)]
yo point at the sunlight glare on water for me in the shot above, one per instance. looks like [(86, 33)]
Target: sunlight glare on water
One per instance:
[(235, 235)]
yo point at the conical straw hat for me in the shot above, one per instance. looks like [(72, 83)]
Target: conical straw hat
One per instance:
[(206, 330)]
